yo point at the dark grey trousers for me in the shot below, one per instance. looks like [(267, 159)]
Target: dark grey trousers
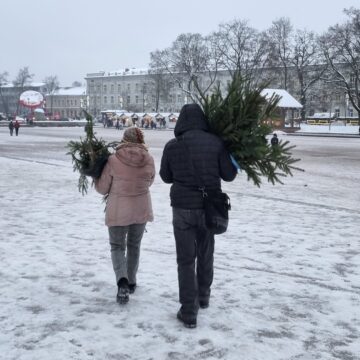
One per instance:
[(125, 250), (194, 250)]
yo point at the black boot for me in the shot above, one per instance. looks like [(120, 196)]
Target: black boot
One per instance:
[(204, 303), (189, 322), (132, 288), (122, 296)]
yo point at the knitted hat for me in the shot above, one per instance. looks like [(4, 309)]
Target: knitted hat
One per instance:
[(133, 135)]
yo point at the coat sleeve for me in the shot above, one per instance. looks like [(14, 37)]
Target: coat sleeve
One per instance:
[(227, 169), (103, 184), (152, 171), (165, 169)]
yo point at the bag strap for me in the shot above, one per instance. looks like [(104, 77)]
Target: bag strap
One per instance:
[(193, 168)]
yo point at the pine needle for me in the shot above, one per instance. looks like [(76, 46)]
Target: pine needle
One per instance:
[(88, 155), (239, 119)]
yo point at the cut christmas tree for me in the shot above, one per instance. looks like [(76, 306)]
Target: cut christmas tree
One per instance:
[(239, 119), (89, 155)]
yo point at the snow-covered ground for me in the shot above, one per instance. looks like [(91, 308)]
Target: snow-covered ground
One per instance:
[(334, 128), (287, 272)]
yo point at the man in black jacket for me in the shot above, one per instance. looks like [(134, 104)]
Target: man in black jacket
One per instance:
[(193, 147), (274, 140)]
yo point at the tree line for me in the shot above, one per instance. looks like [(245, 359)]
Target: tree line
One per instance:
[(292, 55), (195, 62)]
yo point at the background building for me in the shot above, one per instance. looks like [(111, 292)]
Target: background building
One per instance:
[(10, 94), (136, 90), (66, 103)]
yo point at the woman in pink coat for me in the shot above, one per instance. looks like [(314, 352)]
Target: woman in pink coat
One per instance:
[(126, 180)]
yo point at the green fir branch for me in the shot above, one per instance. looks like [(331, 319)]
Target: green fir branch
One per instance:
[(239, 119), (87, 154)]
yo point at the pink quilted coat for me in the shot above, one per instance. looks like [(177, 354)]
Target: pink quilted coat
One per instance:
[(127, 177)]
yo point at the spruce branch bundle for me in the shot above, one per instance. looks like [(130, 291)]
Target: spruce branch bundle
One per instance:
[(89, 155), (239, 119)]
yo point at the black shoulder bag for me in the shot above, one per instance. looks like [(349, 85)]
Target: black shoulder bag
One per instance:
[(216, 203)]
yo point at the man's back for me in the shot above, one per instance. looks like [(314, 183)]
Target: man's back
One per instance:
[(274, 140), (194, 147)]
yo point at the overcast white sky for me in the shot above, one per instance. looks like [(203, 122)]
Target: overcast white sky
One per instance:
[(70, 38)]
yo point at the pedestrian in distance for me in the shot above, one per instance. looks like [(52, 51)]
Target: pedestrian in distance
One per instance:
[(126, 179), (274, 140), (11, 127), (194, 241), (17, 127)]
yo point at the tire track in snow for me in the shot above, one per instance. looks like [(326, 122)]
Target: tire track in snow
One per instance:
[(298, 202), (33, 161)]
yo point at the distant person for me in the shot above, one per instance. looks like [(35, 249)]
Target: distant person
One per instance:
[(126, 180), (11, 127), (163, 123), (17, 127), (274, 140), (117, 124)]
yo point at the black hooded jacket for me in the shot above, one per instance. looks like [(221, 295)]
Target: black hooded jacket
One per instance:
[(208, 154)]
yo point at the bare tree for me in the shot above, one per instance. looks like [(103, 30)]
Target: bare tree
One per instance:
[(76, 84), (3, 81), (52, 84), (188, 61), (22, 79), (280, 35), (309, 64), (241, 48), (341, 47), (159, 85)]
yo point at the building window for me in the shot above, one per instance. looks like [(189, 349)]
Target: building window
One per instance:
[(136, 99), (71, 102), (128, 87), (119, 88), (105, 99), (337, 113), (105, 89), (351, 112), (112, 100), (179, 98), (112, 88), (98, 88), (136, 87), (75, 102), (128, 99)]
